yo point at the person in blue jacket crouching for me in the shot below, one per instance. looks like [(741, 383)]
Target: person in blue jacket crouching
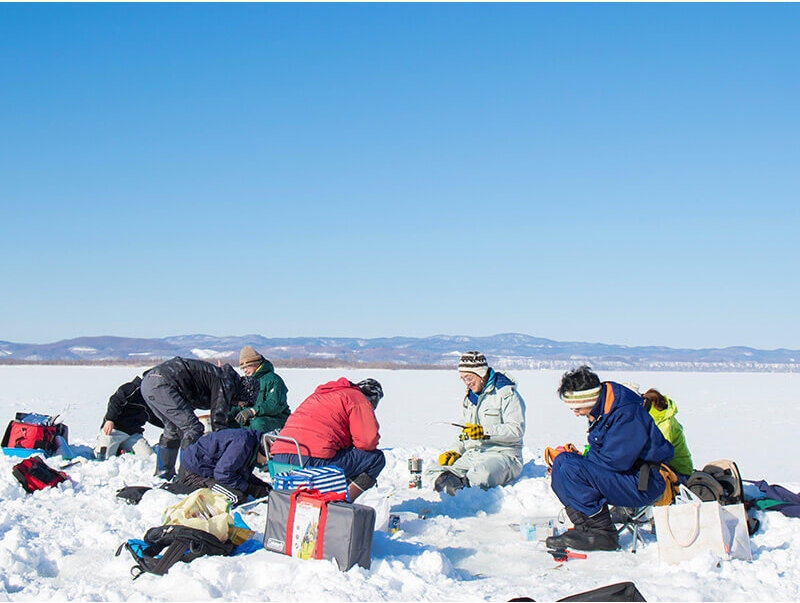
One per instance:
[(620, 467), (224, 461)]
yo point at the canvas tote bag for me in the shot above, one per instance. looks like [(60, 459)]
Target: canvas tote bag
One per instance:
[(691, 528)]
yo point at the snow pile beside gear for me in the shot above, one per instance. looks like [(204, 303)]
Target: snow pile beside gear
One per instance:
[(59, 543)]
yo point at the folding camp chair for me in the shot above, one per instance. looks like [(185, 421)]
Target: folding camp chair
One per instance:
[(633, 519), (275, 467)]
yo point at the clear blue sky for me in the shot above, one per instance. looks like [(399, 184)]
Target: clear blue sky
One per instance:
[(617, 173)]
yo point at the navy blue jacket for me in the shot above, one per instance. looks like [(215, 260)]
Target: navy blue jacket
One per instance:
[(623, 431), (228, 456)]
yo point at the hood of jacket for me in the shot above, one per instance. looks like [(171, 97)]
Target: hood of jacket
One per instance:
[(265, 368), (495, 381), (659, 416), (614, 396), (332, 386)]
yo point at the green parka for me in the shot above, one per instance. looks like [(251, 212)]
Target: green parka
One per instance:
[(271, 407), (673, 432)]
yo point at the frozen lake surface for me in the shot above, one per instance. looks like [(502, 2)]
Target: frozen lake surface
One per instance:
[(59, 544)]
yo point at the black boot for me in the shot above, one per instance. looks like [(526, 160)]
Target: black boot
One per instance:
[(166, 457), (450, 482), (595, 533)]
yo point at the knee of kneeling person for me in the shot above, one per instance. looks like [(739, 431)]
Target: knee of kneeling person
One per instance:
[(380, 461), (565, 459)]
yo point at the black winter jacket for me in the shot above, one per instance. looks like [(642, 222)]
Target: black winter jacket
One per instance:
[(204, 386), (128, 410)]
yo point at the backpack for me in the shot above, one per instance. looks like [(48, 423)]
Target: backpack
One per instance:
[(721, 481), (34, 474), (178, 543), (718, 481), (34, 431)]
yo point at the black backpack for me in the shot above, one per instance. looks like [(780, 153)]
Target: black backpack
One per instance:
[(718, 481), (181, 544), (721, 481)]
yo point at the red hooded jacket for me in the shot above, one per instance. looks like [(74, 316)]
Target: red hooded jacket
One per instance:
[(336, 416)]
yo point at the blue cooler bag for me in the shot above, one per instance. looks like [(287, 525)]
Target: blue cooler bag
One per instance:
[(325, 479)]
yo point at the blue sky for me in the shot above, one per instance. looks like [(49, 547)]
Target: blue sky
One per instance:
[(617, 173)]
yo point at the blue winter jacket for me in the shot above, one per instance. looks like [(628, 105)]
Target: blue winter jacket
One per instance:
[(623, 432), (227, 455)]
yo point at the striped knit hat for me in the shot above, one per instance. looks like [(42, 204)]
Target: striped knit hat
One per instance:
[(585, 398), (473, 362)]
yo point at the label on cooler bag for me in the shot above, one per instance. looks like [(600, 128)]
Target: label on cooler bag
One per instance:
[(305, 529)]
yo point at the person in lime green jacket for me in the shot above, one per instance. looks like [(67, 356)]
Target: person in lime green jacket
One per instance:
[(270, 410), (663, 411)]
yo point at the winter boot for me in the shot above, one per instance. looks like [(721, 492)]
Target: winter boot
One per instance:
[(166, 457), (450, 482), (595, 533)]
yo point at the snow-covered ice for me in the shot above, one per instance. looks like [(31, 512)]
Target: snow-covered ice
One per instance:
[(60, 543)]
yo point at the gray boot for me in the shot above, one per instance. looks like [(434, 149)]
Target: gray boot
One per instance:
[(450, 482)]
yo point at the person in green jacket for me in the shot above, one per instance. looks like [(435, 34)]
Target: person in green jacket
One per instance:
[(270, 410), (663, 411)]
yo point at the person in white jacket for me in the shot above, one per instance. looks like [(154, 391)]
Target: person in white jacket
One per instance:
[(489, 449)]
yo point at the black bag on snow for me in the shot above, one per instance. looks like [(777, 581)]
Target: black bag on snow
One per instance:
[(622, 591), (132, 494), (164, 546)]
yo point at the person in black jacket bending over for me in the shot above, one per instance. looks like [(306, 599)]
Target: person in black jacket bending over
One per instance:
[(123, 423), (175, 388)]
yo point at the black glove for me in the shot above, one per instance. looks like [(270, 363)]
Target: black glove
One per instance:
[(245, 415), (258, 489)]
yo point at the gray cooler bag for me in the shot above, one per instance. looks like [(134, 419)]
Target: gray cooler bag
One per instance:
[(346, 529)]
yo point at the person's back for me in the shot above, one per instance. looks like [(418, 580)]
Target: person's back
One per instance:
[(224, 459), (663, 410), (624, 433), (336, 416), (336, 425), (175, 389), (196, 380)]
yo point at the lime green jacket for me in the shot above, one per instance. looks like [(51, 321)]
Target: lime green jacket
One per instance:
[(673, 432)]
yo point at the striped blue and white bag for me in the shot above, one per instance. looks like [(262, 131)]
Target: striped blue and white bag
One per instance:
[(325, 479)]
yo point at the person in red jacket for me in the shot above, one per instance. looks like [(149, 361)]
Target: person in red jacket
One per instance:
[(336, 425)]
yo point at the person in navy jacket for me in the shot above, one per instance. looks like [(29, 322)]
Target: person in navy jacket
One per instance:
[(224, 461), (620, 466)]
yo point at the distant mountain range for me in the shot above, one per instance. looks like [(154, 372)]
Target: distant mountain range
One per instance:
[(508, 350)]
